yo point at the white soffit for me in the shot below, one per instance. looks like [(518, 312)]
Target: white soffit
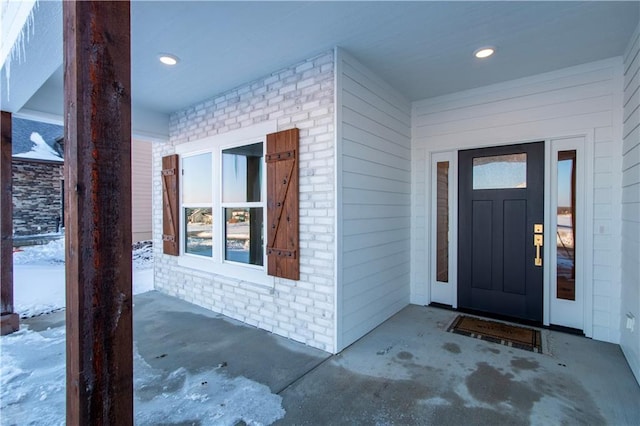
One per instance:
[(37, 54), (423, 49)]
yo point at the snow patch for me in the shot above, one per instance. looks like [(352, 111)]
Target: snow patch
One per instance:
[(41, 150), (39, 276), (208, 397), (32, 374), (45, 254), (32, 379)]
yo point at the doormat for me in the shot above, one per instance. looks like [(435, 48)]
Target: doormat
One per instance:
[(498, 332)]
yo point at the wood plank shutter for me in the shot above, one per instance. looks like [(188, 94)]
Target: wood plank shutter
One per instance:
[(170, 208), (283, 257)]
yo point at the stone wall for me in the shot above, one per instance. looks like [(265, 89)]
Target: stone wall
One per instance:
[(301, 96), (37, 197)]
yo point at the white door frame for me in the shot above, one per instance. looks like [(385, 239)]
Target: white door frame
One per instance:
[(447, 293), (565, 313), (439, 292)]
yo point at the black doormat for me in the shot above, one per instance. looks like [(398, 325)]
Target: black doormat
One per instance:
[(498, 332)]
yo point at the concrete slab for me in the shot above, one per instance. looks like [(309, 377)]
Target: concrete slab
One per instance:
[(411, 371), (407, 371), (170, 333)]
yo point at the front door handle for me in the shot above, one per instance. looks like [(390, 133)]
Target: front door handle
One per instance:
[(537, 242)]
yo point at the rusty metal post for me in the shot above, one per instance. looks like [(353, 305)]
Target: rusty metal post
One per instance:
[(97, 102), (9, 320)]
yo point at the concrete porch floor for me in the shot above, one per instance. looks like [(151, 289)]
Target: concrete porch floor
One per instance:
[(409, 370)]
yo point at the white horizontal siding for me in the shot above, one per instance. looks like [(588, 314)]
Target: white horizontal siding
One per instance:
[(141, 204), (630, 341), (582, 100), (374, 183), (562, 102)]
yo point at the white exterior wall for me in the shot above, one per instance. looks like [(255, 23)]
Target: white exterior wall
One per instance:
[(579, 101), (141, 162), (630, 340), (374, 201), (299, 96)]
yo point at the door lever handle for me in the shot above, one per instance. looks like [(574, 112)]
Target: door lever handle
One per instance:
[(537, 242)]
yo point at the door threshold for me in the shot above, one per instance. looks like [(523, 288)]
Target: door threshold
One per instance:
[(505, 318), (441, 306), (568, 330)]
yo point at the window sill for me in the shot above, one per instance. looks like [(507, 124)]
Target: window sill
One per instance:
[(255, 276)]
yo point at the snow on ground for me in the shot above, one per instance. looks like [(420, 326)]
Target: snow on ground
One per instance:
[(39, 276), (208, 398), (32, 364), (32, 389)]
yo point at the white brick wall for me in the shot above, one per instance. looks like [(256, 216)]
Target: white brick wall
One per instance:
[(299, 96)]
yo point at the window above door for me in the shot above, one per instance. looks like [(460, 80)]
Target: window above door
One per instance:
[(500, 171)]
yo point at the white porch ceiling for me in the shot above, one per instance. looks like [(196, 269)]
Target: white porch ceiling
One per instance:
[(423, 49)]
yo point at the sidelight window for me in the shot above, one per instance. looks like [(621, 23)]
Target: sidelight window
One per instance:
[(442, 222), (565, 233)]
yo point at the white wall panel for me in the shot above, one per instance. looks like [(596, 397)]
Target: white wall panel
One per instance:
[(630, 285), (374, 187)]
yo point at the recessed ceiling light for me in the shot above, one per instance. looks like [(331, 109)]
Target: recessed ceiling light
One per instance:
[(168, 59), (484, 52)]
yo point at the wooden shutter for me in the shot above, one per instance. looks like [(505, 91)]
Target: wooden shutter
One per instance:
[(170, 209), (283, 257)]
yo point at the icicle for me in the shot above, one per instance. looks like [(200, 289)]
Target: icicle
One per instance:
[(19, 48), (7, 74)]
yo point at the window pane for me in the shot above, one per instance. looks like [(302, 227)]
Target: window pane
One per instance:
[(196, 179), (242, 174), (565, 235), (198, 231), (442, 224), (244, 235), (500, 171)]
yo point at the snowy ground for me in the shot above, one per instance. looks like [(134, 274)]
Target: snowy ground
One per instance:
[(38, 275), (32, 364)]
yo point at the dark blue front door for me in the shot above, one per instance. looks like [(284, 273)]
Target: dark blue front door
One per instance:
[(501, 199)]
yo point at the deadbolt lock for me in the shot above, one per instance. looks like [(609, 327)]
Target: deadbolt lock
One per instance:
[(537, 228)]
